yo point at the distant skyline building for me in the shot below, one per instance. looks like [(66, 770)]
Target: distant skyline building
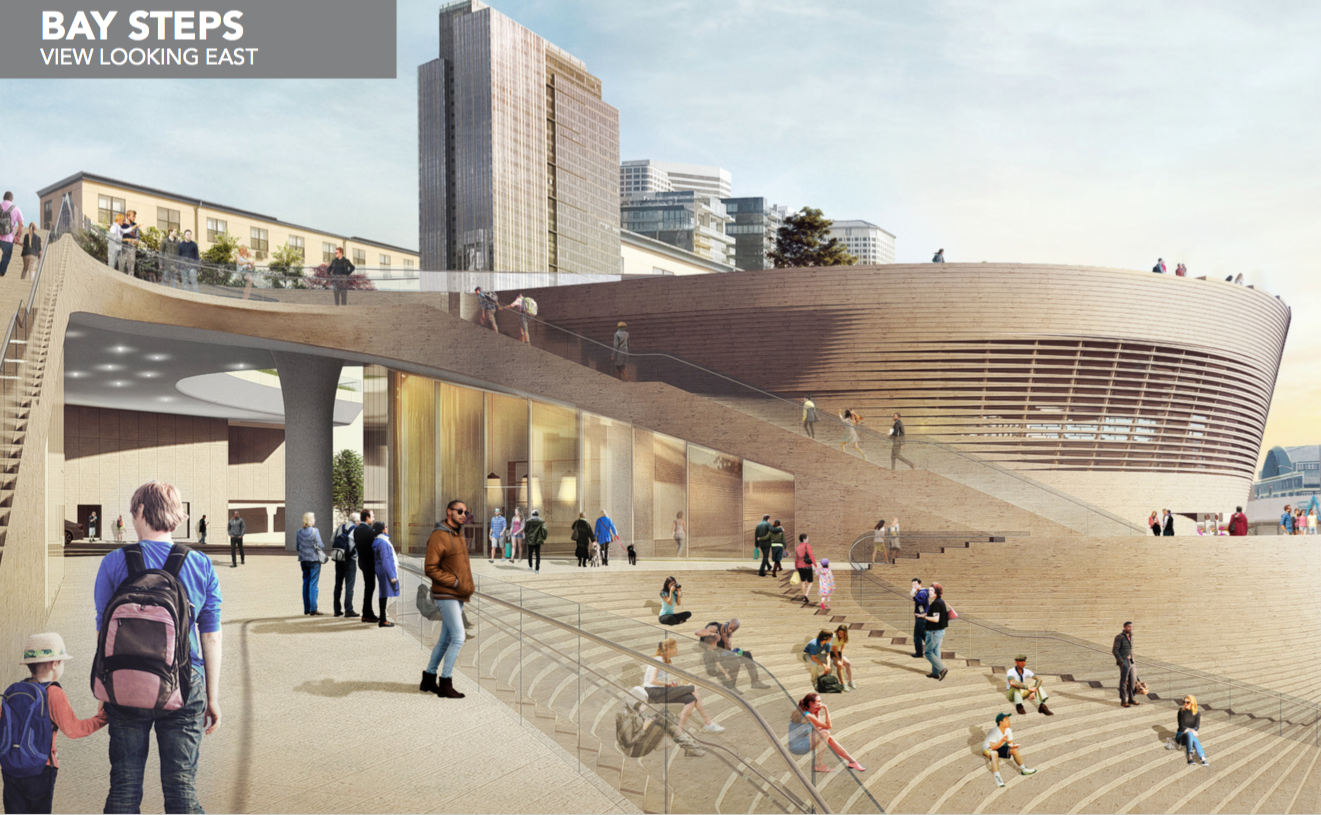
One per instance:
[(866, 241), (689, 220), (517, 152), (753, 229), (647, 175)]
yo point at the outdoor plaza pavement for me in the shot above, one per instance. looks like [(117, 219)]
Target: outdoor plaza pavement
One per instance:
[(320, 714)]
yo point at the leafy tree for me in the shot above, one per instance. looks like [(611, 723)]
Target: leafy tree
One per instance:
[(93, 242), (346, 480), (151, 238), (287, 264), (804, 240), (223, 252)]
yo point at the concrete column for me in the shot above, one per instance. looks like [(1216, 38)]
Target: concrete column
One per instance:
[(308, 384)]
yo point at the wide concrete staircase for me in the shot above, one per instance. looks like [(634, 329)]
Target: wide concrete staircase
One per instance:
[(921, 739)]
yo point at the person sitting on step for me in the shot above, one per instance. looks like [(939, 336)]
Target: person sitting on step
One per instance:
[(1021, 685)]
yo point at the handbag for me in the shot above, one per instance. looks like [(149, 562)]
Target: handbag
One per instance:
[(425, 605), (794, 579), (322, 556), (574, 536)]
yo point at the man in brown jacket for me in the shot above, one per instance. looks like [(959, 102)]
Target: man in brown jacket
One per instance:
[(451, 585)]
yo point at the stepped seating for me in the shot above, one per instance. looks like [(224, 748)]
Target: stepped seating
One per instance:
[(1246, 608), (921, 739)]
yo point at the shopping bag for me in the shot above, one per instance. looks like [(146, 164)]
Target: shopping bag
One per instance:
[(794, 579)]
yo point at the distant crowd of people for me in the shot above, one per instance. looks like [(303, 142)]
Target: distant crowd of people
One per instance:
[(1161, 523)]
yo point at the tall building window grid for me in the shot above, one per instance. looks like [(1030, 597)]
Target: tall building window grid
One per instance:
[(107, 207), (167, 219), (259, 241), (215, 227)]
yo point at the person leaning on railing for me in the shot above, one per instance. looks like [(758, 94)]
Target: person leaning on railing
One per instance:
[(188, 261), (341, 267)]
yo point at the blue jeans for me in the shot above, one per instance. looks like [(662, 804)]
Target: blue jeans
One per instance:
[(934, 639), (451, 639), (6, 251), (1192, 743), (346, 574), (179, 738), (311, 574)]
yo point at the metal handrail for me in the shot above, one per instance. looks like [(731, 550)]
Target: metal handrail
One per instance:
[(796, 405), (690, 678), (1083, 645)]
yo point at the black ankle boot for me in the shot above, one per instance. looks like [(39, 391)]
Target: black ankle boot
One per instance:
[(428, 682), (445, 688)]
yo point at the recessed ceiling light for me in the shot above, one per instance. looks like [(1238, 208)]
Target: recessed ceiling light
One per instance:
[(75, 374), (237, 366), (121, 349), (148, 374), (158, 357), (109, 367), (167, 398), (118, 384), (73, 333)]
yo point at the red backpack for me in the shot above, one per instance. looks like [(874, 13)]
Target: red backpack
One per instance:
[(142, 652)]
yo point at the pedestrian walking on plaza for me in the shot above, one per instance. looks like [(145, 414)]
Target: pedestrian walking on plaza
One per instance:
[(937, 622), (663, 690), (387, 569), (809, 726), (1239, 279), (583, 538), (310, 554), (809, 417), (129, 236), (825, 583), (679, 529), (921, 607), (516, 535), (114, 242), (803, 562), (879, 543), (497, 536), (92, 526), (31, 252), (363, 537), (119, 529), (1190, 722), (1300, 523), (619, 352), (606, 534), (237, 529), (447, 565), (1159, 268), (851, 421), (188, 261), (1286, 521), (346, 566), (34, 712), (340, 270), (1123, 653), (1180, 270), (939, 256), (520, 306), (156, 510), (536, 535), (1021, 685), (169, 253), (761, 537), (843, 667), (11, 226), (998, 744), (201, 532), (778, 543), (1168, 524), (1154, 522), (671, 598), (897, 444), (1311, 521), (893, 541), (1238, 523)]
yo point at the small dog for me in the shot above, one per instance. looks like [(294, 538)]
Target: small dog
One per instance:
[(596, 554), (632, 555)]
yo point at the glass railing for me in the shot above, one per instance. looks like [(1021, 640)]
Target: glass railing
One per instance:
[(23, 359), (974, 472), (575, 673), (1073, 659)]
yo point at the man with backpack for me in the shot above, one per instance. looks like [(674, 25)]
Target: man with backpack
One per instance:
[(11, 225), (345, 555), (148, 679), (31, 713)]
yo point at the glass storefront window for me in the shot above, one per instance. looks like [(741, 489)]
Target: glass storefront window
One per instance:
[(715, 501), (767, 491), (463, 457), (554, 486), (607, 474), (506, 455), (669, 496), (415, 461)]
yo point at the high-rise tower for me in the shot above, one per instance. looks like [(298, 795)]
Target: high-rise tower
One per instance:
[(518, 156)]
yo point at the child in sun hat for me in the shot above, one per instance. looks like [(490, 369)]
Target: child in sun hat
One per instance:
[(29, 710)]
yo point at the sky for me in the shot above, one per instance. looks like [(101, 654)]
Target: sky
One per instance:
[(1037, 131)]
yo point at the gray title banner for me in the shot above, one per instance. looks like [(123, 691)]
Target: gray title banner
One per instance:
[(231, 39)]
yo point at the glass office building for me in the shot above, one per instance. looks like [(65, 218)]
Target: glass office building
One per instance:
[(754, 228), (518, 156), (428, 441), (689, 220)]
